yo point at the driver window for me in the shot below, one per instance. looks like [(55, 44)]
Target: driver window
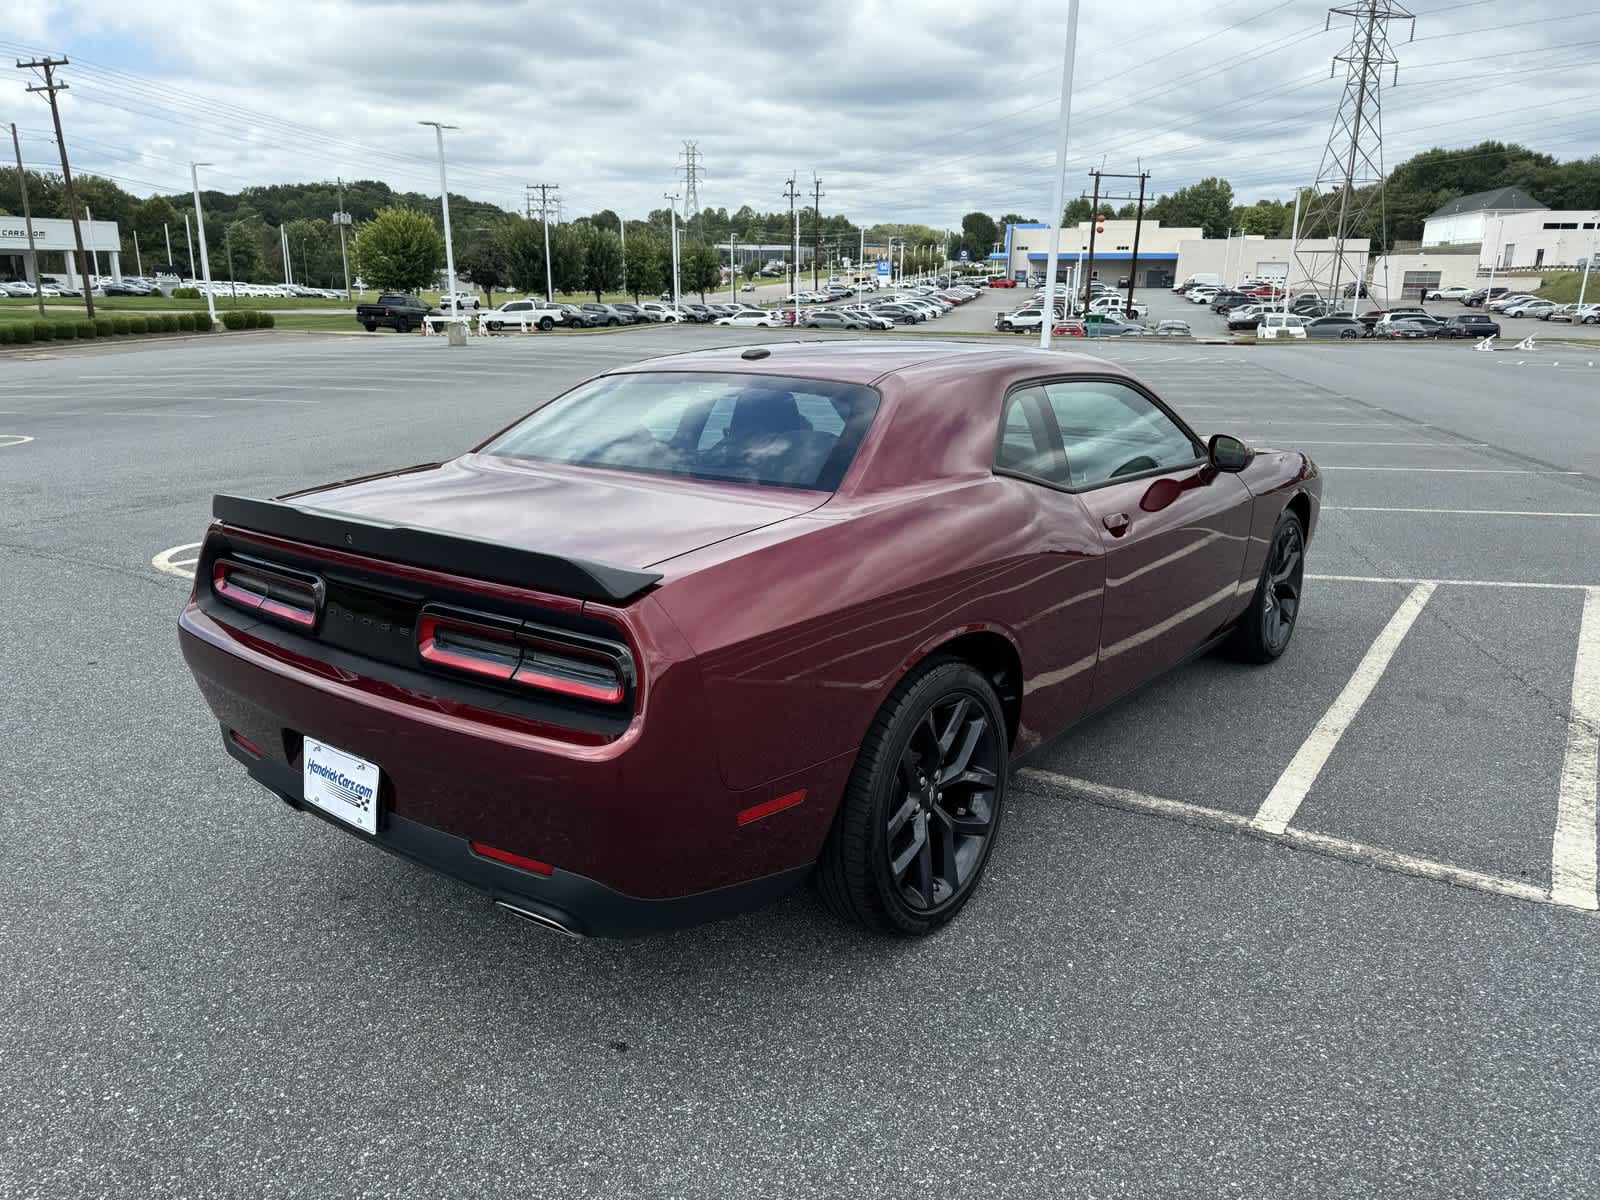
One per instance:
[(1110, 430)]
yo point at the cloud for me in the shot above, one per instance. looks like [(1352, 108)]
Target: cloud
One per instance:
[(907, 111)]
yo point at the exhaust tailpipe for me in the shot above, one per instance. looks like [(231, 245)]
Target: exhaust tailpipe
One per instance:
[(539, 919)]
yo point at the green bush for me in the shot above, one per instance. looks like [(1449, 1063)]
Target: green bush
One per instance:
[(87, 329), (186, 294), (43, 331), (169, 323), (252, 318), (104, 327), (66, 331), (234, 318), (5, 335), (121, 325), (202, 322), (268, 321), (22, 333)]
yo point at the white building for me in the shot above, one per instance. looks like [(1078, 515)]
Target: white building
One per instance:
[(1231, 259), (1026, 251), (52, 235), (1469, 219)]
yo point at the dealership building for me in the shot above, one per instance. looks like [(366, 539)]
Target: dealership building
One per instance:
[(1168, 255), (51, 236)]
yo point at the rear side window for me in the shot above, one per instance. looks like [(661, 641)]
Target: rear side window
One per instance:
[(768, 430)]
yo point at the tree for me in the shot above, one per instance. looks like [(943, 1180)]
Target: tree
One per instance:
[(241, 246), (1077, 210), (979, 234), (567, 257), (151, 221), (523, 243), (1208, 204), (602, 261), (644, 257), (482, 258), (399, 250), (1015, 219), (700, 269)]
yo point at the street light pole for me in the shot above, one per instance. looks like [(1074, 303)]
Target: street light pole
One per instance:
[(200, 222), (1594, 230), (672, 197), (444, 202)]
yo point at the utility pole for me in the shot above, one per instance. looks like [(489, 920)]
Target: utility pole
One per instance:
[(1583, 286), (1138, 224), (233, 279), (341, 219), (138, 258), (794, 269), (50, 87), (692, 173), (733, 269), (27, 219), (449, 245), (672, 197), (1094, 222), (816, 228), (544, 190), (622, 235), (188, 240), (166, 231), (1047, 318)]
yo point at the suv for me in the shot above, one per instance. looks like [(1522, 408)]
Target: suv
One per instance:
[(1474, 298), (1470, 325)]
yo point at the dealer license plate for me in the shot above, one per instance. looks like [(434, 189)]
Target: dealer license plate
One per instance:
[(341, 785)]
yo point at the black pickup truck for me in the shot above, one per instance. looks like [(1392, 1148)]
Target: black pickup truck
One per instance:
[(400, 313)]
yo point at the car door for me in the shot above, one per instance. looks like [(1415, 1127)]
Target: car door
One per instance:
[(1174, 529)]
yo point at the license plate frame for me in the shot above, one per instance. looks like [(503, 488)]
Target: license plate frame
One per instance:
[(341, 784)]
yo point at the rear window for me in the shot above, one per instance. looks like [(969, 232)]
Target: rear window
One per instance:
[(768, 430)]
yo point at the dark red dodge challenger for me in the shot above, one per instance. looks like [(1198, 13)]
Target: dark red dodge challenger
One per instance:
[(706, 624)]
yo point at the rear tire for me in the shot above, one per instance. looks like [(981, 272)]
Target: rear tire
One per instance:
[(370, 326), (496, 326), (922, 809), (402, 326), (546, 324), (1268, 624)]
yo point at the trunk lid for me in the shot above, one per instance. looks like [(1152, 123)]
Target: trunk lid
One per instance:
[(617, 517)]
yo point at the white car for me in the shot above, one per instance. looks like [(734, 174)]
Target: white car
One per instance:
[(522, 314), (462, 300), (1529, 308), (1505, 302), (654, 310), (748, 320), (1202, 295), (1450, 293), (1276, 325)]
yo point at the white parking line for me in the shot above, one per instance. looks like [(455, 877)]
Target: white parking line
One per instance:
[(1449, 470), (1490, 583), (1281, 804), (1303, 839), (1413, 445), (178, 560), (1457, 512), (1572, 856)]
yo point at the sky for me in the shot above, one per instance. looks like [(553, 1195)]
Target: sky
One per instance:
[(906, 110)]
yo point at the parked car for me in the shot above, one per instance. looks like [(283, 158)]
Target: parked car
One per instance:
[(578, 317), (1577, 314), (1470, 325), (633, 314), (1404, 330), (1453, 292), (1476, 297), (1530, 308), (748, 320), (1335, 326), (523, 315), (461, 300), (1433, 325), (900, 314), (1276, 326), (1119, 304), (1227, 301), (827, 318), (1002, 282), (1173, 329), (747, 287), (636, 623), (394, 311), (609, 314), (1202, 295), (1247, 316), (1202, 277), (1501, 303)]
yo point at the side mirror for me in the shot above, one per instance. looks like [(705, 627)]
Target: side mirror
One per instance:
[(1227, 453)]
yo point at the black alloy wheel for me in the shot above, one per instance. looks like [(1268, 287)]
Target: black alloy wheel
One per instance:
[(546, 324), (1351, 334), (1265, 629), (495, 326), (923, 807), (402, 326)]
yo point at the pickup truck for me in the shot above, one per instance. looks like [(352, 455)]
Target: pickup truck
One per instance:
[(400, 313)]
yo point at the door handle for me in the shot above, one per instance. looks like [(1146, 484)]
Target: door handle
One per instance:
[(1116, 523)]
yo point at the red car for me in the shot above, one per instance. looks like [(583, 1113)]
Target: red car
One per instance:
[(707, 624), (1003, 283)]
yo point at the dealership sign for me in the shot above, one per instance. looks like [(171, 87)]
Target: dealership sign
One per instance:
[(52, 234)]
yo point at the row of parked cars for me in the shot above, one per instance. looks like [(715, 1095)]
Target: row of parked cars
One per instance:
[(1108, 313), (1520, 304)]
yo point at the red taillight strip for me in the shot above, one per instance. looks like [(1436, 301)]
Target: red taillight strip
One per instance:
[(765, 809), (519, 861), (252, 601), (538, 659), (429, 647)]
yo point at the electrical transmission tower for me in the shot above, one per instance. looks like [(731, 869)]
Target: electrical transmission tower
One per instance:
[(692, 173), (1350, 177)]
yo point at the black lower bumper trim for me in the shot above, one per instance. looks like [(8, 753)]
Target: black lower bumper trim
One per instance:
[(576, 903)]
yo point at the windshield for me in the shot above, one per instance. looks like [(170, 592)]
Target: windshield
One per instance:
[(774, 431)]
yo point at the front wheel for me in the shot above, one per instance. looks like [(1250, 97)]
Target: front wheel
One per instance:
[(1268, 624), (1349, 334), (546, 324), (923, 805), (370, 326), (402, 326), (613, 321), (496, 326)]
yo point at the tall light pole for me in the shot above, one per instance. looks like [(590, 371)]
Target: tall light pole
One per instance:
[(733, 267), (1583, 287), (200, 222), (27, 220), (1488, 293), (1058, 203), (672, 197), (444, 201), (341, 219), (188, 240)]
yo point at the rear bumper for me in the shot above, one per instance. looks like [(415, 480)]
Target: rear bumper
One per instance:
[(575, 903)]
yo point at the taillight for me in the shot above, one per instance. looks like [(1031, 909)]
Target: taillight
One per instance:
[(289, 598), (523, 654)]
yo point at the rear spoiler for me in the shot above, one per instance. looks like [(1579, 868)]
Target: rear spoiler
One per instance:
[(431, 548)]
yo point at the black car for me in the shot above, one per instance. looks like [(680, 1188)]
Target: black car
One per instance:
[(1483, 295), (700, 313), (1403, 331), (1224, 302), (899, 313), (632, 314), (1344, 327), (581, 318), (1470, 325)]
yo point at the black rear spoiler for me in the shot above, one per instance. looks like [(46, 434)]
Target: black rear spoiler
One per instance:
[(432, 548)]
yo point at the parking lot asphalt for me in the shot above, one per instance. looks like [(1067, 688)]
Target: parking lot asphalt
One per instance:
[(1322, 928)]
